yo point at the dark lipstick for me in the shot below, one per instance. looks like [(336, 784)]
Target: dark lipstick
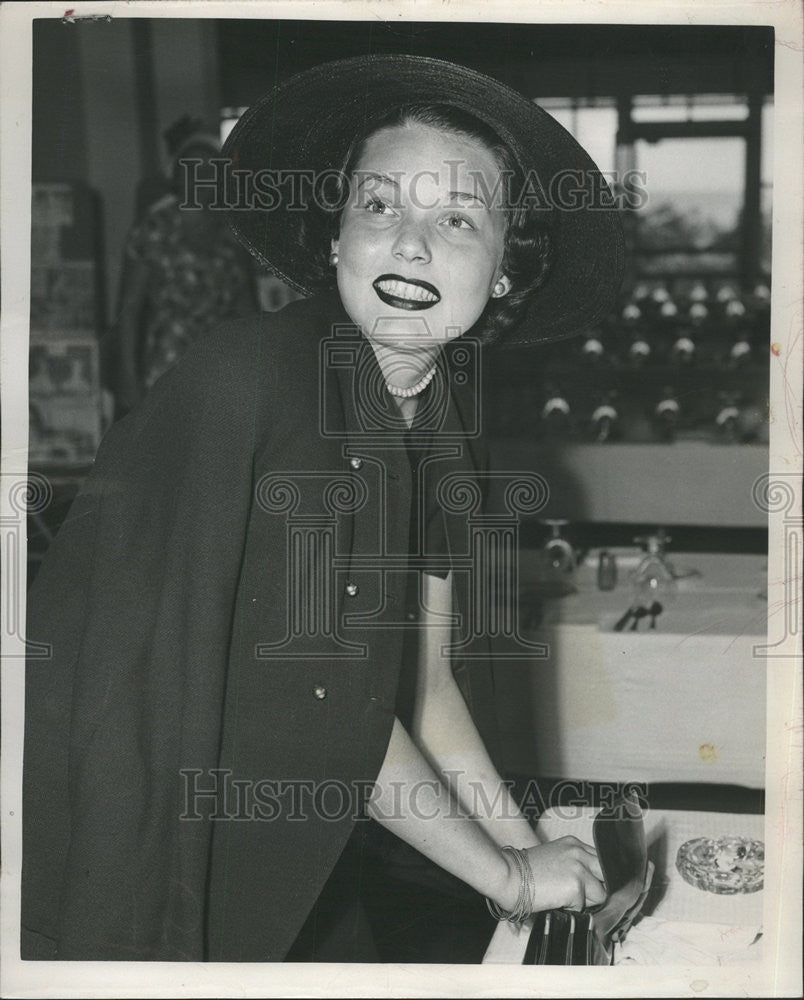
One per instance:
[(401, 302)]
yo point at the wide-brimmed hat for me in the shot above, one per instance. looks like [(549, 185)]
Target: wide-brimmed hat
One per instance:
[(306, 125)]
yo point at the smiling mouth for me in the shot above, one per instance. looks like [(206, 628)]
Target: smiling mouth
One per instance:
[(406, 293)]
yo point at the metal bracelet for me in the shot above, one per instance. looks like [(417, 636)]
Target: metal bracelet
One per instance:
[(524, 904)]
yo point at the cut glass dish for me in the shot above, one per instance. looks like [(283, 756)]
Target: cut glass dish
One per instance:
[(726, 866)]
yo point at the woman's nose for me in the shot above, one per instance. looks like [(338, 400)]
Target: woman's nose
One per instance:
[(411, 244)]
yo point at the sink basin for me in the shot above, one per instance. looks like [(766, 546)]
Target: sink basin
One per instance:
[(682, 703), (726, 596)]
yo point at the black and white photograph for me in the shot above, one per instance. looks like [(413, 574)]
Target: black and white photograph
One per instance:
[(401, 504)]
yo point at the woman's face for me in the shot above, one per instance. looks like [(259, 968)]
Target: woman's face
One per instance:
[(421, 239)]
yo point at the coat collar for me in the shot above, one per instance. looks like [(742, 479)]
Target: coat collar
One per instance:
[(365, 411)]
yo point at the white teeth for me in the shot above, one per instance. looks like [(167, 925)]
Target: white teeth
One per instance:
[(402, 290)]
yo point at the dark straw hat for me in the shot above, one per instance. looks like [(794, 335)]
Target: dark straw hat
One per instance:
[(308, 123)]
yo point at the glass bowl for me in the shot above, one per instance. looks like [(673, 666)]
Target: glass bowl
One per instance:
[(725, 866)]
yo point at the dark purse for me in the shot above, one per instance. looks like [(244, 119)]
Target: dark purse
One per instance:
[(563, 937)]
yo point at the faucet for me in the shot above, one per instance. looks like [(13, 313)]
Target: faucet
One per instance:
[(559, 551), (655, 577)]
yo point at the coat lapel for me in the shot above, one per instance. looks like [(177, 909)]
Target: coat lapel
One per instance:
[(372, 428)]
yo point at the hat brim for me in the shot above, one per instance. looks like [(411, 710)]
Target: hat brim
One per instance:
[(308, 123)]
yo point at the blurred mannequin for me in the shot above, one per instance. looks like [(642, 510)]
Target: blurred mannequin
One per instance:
[(155, 186), (183, 271)]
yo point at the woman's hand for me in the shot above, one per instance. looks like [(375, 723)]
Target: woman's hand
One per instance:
[(566, 875)]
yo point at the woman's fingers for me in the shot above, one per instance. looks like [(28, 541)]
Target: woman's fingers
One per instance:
[(566, 874), (594, 892), (586, 892), (589, 891), (594, 865), (577, 901), (585, 853)]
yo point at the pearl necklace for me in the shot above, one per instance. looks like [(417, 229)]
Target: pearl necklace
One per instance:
[(413, 390)]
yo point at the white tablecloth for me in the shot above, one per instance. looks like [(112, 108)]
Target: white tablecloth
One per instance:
[(680, 923)]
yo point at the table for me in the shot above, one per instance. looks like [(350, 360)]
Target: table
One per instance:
[(675, 915)]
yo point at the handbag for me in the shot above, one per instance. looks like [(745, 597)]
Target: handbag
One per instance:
[(564, 937)]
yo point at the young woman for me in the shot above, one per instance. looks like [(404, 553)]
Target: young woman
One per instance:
[(249, 609)]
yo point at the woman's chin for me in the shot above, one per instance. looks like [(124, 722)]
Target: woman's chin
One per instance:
[(411, 332)]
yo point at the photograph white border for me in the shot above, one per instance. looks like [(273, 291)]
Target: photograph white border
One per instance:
[(780, 972)]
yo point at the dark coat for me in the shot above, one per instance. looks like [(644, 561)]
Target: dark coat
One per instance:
[(180, 657)]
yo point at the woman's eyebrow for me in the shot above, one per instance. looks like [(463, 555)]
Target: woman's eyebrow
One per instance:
[(466, 196), (371, 176)]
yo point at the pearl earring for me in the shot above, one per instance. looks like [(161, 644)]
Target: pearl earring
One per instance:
[(499, 289), (333, 259)]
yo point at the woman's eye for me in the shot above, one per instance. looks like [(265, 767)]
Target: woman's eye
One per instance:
[(376, 206), (457, 222)]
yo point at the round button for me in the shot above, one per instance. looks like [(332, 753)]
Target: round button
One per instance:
[(351, 589), (320, 692), (355, 462)]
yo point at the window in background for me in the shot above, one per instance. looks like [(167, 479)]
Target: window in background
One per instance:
[(693, 219), (695, 197), (594, 126), (695, 186), (694, 108), (766, 187)]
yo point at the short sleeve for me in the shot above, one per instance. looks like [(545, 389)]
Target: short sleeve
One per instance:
[(436, 546)]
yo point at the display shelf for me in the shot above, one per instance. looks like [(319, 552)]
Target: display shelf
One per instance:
[(688, 483)]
